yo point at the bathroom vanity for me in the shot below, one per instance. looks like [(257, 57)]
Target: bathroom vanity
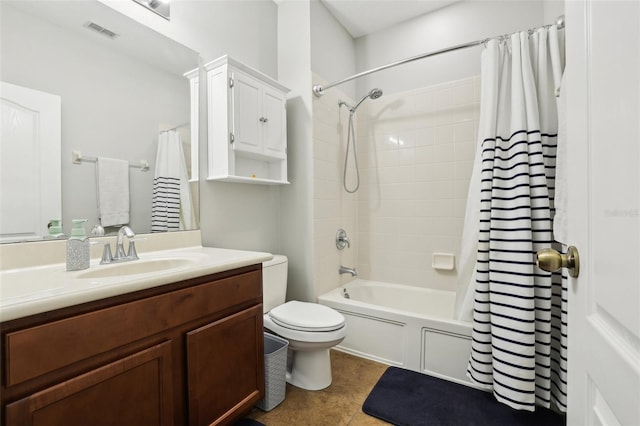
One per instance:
[(188, 351)]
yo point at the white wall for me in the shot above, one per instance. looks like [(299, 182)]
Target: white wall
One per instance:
[(333, 54), (552, 10), (294, 63), (245, 30), (456, 24)]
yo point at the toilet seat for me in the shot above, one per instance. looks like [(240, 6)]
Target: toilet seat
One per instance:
[(304, 316)]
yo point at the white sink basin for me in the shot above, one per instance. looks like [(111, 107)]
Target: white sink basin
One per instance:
[(135, 267), (32, 290)]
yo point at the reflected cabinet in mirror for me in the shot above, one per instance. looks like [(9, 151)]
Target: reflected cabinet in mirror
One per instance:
[(121, 94)]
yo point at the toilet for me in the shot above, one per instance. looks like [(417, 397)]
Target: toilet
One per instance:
[(311, 329)]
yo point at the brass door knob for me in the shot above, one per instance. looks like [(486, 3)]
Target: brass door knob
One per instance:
[(550, 260)]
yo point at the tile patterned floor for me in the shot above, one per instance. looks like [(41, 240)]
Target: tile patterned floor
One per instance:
[(338, 405)]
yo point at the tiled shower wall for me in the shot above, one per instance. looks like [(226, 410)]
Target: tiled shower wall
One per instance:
[(333, 208), (415, 153)]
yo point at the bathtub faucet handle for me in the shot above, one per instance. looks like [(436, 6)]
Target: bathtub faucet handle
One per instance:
[(342, 240)]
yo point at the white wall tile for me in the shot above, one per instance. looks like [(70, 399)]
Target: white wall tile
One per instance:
[(417, 182), (443, 135), (464, 131)]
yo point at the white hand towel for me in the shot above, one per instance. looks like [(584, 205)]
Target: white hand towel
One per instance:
[(113, 191)]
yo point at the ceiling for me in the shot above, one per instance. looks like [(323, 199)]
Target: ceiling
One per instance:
[(362, 17)]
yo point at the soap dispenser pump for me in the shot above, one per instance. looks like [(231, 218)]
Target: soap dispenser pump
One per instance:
[(78, 247)]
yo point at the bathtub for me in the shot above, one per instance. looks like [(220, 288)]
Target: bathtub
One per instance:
[(405, 326)]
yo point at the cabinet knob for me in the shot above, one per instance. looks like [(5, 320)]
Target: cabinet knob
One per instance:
[(263, 119)]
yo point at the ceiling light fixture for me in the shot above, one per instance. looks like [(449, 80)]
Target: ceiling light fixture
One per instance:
[(160, 7)]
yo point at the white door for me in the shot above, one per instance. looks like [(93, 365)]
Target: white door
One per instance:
[(603, 119), (30, 163)]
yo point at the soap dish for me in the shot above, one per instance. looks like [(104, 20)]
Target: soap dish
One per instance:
[(443, 261)]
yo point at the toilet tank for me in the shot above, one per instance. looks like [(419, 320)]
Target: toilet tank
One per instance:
[(274, 282)]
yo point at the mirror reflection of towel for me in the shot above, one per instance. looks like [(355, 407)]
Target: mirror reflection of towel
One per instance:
[(113, 191), (172, 208)]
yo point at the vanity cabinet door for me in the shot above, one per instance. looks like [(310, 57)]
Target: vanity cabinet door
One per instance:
[(135, 390), (225, 367)]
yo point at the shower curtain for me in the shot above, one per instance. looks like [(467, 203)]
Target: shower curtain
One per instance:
[(519, 311), (171, 209)]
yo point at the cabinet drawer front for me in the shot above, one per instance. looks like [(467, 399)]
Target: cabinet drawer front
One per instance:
[(61, 343), (135, 390)]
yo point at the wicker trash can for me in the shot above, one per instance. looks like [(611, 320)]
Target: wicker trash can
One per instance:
[(275, 371)]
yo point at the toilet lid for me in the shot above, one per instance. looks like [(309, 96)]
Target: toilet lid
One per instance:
[(307, 316)]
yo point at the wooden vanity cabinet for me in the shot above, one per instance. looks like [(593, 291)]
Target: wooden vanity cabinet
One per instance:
[(185, 353)]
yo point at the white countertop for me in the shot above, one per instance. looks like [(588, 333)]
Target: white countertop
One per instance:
[(31, 290)]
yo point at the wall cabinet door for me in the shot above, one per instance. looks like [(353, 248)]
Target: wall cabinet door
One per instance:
[(225, 367), (135, 390), (259, 120), (247, 111), (275, 128)]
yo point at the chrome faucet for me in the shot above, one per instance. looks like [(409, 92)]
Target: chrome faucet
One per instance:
[(120, 255), (345, 270)]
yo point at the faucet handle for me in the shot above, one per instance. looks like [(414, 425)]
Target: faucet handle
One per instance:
[(106, 254), (97, 231), (342, 240), (132, 254)]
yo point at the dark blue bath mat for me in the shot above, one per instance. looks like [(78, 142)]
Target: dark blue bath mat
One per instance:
[(248, 422), (407, 398)]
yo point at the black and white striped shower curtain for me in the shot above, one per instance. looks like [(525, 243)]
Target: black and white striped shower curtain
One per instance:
[(171, 208), (519, 345)]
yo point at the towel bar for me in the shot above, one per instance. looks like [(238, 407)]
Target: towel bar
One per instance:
[(77, 158)]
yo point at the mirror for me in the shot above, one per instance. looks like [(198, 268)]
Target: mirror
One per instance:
[(120, 84)]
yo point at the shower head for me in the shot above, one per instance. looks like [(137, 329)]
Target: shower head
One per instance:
[(373, 94)]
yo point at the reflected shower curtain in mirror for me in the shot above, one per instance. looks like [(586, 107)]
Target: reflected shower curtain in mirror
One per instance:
[(172, 208), (519, 339)]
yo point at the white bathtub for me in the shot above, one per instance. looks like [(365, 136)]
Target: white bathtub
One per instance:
[(405, 326)]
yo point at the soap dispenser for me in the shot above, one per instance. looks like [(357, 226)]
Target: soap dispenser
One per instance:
[(55, 228), (78, 247)]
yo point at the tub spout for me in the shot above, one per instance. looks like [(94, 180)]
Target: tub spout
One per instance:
[(345, 270)]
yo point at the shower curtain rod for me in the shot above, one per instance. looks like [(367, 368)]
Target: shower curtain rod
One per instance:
[(319, 89), (176, 127)]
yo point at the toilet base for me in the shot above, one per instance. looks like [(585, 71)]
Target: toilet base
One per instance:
[(311, 370)]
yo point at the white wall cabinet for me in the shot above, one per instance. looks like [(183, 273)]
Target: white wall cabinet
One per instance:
[(247, 125)]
